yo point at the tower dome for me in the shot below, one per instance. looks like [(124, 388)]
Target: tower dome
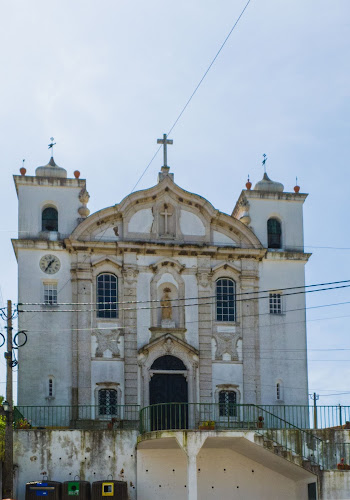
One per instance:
[(51, 170), (266, 184)]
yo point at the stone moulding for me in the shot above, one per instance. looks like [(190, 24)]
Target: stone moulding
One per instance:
[(157, 332)]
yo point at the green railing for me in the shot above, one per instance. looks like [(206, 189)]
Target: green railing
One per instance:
[(226, 417), (77, 417), (174, 416), (292, 440), (215, 416), (305, 417)]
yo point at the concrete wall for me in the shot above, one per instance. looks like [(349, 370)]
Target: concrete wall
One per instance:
[(62, 455), (335, 485), (226, 474)]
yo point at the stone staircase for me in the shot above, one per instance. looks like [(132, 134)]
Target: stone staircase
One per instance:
[(287, 454)]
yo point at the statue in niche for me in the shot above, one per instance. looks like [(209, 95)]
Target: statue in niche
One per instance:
[(165, 303)]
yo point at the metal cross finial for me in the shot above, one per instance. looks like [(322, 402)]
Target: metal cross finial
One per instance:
[(52, 144), (165, 142), (264, 161)]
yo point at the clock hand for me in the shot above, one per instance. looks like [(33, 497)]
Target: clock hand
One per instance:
[(49, 264)]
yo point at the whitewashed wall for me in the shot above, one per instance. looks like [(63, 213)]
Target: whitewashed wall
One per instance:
[(93, 456)]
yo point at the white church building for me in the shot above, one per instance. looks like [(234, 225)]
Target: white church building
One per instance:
[(162, 315)]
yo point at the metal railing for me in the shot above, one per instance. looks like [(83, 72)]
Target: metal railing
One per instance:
[(77, 417), (173, 416), (215, 416), (308, 416)]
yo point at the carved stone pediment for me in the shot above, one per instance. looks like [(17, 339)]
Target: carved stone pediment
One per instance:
[(167, 343), (158, 332)]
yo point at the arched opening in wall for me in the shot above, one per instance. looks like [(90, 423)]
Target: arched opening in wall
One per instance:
[(169, 394), (49, 219), (107, 295), (274, 234), (225, 299)]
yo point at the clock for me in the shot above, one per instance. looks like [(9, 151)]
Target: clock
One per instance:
[(50, 264)]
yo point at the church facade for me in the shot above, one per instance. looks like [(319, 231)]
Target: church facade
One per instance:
[(160, 298)]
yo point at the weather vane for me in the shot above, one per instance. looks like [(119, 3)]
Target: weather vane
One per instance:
[(264, 161), (52, 144)]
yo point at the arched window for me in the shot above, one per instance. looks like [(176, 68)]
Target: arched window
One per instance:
[(107, 296), (107, 402), (49, 219), (274, 233), (168, 362), (225, 300), (228, 404)]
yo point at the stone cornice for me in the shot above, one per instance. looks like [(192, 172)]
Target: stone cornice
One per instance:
[(266, 195), (166, 249), (24, 244), (287, 255), (28, 180)]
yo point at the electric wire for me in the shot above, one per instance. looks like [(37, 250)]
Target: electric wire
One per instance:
[(176, 305), (195, 90), (269, 290)]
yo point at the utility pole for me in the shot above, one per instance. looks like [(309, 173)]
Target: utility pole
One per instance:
[(315, 397), (7, 485)]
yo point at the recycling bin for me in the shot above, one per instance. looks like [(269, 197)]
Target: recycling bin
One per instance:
[(48, 489), (109, 489), (76, 489)]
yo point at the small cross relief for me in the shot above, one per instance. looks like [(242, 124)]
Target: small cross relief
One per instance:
[(167, 221)]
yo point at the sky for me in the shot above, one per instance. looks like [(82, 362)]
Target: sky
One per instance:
[(107, 78)]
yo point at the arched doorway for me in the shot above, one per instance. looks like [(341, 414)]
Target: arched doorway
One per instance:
[(169, 392)]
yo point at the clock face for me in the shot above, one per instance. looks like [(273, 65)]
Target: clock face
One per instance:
[(50, 264)]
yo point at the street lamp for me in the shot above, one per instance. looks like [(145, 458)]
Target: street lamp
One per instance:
[(6, 406)]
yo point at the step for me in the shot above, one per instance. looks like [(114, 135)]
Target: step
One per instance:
[(278, 449)]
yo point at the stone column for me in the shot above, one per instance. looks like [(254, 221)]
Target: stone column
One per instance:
[(130, 273), (250, 329), (205, 330), (81, 335), (192, 475)]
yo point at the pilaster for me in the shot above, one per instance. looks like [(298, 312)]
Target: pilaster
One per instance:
[(130, 273), (81, 335), (250, 329), (205, 330)]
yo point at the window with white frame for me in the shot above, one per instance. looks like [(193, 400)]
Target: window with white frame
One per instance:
[(50, 294), (107, 296), (107, 402), (228, 404), (275, 303), (225, 300)]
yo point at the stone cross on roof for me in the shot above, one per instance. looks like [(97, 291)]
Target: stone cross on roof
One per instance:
[(165, 142)]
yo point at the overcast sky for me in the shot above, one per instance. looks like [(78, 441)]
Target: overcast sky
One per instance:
[(107, 78)]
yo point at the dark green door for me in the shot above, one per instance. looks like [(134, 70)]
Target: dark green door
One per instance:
[(169, 392)]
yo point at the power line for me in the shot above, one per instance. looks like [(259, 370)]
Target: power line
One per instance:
[(270, 290), (175, 305), (195, 90)]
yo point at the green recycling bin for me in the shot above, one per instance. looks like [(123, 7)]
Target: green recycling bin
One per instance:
[(76, 489)]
